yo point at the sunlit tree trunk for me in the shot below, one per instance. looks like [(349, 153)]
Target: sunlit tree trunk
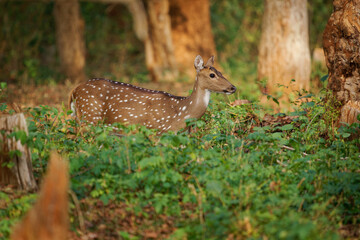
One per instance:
[(191, 32), (284, 52), (341, 42), (70, 38), (160, 52), (174, 32)]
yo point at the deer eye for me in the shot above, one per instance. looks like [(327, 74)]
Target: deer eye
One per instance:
[(212, 75)]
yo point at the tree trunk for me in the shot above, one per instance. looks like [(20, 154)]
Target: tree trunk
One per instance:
[(284, 52), (159, 46), (70, 38), (173, 35), (20, 174), (341, 41), (152, 26), (191, 32)]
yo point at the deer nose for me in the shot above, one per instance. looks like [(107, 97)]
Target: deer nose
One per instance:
[(230, 89)]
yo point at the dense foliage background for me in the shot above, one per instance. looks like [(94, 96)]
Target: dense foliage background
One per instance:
[(28, 53)]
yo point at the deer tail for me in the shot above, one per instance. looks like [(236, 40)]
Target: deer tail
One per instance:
[(48, 218)]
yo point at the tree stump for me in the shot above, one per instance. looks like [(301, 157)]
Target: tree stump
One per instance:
[(341, 42), (20, 174)]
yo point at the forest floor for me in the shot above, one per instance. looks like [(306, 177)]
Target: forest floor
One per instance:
[(97, 221)]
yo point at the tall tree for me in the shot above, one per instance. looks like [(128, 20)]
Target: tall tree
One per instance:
[(284, 52), (153, 27), (70, 38), (160, 60), (341, 41), (173, 32), (191, 31)]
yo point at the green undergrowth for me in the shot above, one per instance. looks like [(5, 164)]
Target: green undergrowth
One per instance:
[(236, 176)]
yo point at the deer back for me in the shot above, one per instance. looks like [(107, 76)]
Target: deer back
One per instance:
[(103, 99)]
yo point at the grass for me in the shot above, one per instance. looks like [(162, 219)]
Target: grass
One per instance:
[(238, 176)]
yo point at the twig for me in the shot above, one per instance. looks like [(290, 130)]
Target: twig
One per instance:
[(187, 163), (83, 171), (293, 149), (311, 121), (78, 210), (301, 181), (281, 163)]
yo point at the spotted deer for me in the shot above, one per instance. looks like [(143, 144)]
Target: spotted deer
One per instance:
[(110, 101)]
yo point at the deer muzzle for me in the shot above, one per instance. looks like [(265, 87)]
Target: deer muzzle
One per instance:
[(230, 90)]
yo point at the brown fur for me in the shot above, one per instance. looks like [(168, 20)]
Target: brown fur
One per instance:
[(48, 219)]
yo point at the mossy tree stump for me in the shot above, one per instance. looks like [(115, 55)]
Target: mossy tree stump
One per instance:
[(341, 42), (20, 173)]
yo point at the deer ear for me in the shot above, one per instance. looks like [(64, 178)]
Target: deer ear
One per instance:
[(198, 63), (210, 62)]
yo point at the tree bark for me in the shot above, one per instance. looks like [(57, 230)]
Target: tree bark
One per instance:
[(20, 174), (191, 32), (70, 38), (152, 26), (341, 41), (172, 34), (284, 52), (159, 46)]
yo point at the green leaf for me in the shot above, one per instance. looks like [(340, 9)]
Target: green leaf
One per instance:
[(14, 153), (151, 162), (307, 96), (3, 106), (105, 199), (345, 135), (287, 127), (272, 98), (3, 85), (214, 187), (21, 135), (277, 135), (324, 78)]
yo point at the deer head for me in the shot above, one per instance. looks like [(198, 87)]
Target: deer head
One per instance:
[(211, 79)]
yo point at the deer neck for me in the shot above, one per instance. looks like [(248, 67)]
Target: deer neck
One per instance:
[(197, 101)]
